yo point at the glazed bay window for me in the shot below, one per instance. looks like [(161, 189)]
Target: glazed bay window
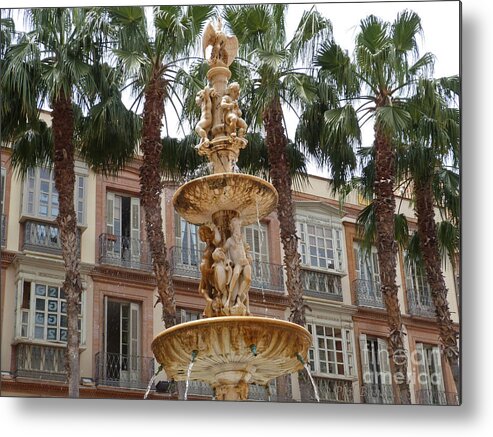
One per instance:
[(42, 313), (320, 245), (332, 352), (40, 197)]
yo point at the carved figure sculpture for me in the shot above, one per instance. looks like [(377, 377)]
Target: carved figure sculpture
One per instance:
[(203, 99), (232, 111), (206, 234), (242, 271), (224, 47), (221, 276)]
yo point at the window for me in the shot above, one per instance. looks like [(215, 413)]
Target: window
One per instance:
[(188, 241), (123, 227), (42, 312), (368, 276), (122, 341), (430, 376), (417, 286), (41, 197), (375, 368), (332, 351), (320, 245), (257, 240), (185, 315)]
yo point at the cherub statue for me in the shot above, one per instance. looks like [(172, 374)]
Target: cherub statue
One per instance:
[(232, 111), (224, 47), (203, 99)]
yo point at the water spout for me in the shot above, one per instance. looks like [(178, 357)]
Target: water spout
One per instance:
[(153, 377), (253, 348), (189, 372), (307, 368)]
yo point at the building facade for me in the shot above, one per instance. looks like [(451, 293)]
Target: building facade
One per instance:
[(349, 360)]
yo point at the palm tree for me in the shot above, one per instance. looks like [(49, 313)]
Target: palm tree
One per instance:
[(149, 57), (276, 81), (432, 141), (54, 64), (386, 66)]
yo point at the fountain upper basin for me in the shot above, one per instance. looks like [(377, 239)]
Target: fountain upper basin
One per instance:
[(252, 197), (224, 352)]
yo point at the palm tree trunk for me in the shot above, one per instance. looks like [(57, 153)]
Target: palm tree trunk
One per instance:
[(63, 129), (281, 179), (151, 188), (387, 255), (431, 255)]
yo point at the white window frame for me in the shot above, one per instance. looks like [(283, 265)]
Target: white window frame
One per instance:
[(417, 284), (257, 241), (32, 191), (333, 232), (429, 356), (30, 323), (347, 344)]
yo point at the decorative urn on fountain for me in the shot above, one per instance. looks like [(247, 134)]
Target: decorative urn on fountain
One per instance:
[(228, 348)]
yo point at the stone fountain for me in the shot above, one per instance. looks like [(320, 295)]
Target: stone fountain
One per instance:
[(229, 348)]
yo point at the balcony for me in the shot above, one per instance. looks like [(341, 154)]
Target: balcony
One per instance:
[(368, 293), (124, 252), (44, 237), (40, 362), (420, 304), (123, 371), (199, 388), (4, 230), (186, 263), (321, 284), (436, 397), (377, 394), (331, 390)]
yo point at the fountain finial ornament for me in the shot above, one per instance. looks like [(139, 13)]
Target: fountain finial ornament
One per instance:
[(224, 47)]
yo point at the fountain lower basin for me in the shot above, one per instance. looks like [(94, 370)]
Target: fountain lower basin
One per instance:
[(232, 352)]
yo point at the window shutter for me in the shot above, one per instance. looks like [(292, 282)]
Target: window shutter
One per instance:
[(423, 376), (437, 366), (134, 336), (385, 373), (365, 365), (135, 228), (110, 203)]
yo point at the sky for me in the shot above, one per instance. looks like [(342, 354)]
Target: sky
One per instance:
[(83, 417), (440, 22)]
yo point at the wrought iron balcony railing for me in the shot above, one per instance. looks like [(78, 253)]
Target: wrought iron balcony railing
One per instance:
[(368, 293), (333, 390), (377, 394), (436, 397), (127, 371), (420, 303), (124, 252), (44, 237), (4, 230), (40, 361), (321, 284), (186, 263)]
